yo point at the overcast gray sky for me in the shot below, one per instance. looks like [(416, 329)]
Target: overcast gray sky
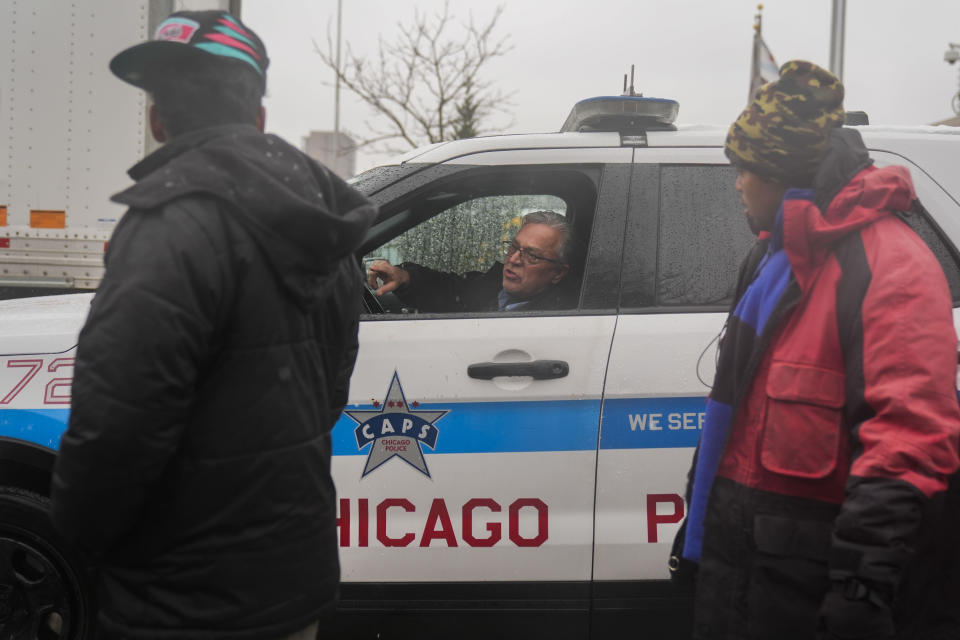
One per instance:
[(694, 51)]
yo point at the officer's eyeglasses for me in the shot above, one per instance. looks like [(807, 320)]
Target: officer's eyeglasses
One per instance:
[(526, 255)]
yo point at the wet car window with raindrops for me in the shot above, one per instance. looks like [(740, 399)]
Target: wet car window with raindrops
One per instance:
[(703, 236), (468, 236)]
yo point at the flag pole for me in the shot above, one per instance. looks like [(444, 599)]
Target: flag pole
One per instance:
[(336, 98), (837, 28), (755, 61)]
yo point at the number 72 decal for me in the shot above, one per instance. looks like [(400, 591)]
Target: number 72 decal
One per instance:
[(56, 391)]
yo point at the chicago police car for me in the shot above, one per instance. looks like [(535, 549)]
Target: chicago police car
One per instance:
[(502, 474)]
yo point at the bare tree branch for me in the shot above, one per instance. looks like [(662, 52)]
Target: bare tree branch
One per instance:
[(426, 85)]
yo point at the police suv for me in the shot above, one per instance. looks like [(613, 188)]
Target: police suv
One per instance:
[(499, 474)]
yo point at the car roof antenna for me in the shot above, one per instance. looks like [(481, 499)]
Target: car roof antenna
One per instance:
[(631, 92)]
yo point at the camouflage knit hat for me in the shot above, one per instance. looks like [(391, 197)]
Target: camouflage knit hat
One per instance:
[(782, 134)]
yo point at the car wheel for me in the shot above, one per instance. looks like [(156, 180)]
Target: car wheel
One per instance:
[(43, 590)]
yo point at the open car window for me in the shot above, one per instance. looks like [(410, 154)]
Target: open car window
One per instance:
[(459, 226), (466, 237)]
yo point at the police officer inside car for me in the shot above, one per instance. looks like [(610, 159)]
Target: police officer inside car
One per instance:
[(529, 279)]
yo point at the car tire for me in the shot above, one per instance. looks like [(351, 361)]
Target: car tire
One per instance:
[(44, 592)]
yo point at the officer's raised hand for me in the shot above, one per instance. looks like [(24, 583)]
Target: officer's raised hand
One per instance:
[(392, 277)]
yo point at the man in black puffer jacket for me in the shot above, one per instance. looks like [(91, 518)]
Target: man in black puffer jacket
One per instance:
[(195, 472)]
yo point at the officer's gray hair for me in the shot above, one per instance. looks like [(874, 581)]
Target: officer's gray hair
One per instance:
[(555, 221)]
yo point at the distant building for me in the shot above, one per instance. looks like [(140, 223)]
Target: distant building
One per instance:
[(340, 158)]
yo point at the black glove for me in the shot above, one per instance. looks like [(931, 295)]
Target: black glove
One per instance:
[(852, 611)]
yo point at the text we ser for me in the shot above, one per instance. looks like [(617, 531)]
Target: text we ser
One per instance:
[(678, 421)]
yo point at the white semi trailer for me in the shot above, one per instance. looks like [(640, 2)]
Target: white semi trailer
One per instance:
[(69, 132)]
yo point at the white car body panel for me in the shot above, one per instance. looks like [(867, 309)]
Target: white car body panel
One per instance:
[(509, 439)]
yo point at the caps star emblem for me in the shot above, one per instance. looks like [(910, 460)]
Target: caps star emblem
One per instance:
[(396, 430)]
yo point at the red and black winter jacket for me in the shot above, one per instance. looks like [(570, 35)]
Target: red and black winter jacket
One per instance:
[(844, 432)]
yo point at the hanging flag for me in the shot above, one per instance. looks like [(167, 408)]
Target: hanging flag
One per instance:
[(763, 68)]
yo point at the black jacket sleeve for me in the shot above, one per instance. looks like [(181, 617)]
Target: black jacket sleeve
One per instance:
[(438, 292), (340, 320), (145, 340)]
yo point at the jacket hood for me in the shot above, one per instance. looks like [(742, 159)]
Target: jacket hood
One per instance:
[(303, 217), (849, 194)]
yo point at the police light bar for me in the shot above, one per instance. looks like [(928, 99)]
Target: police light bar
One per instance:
[(622, 114)]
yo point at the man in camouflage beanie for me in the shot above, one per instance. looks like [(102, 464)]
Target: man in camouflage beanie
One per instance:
[(782, 134), (831, 430)]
